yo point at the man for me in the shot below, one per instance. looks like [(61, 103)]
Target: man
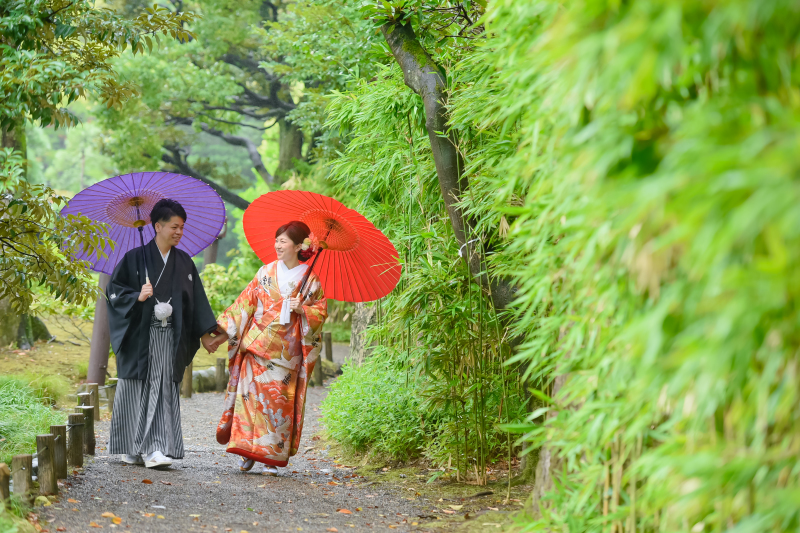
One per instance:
[(158, 314)]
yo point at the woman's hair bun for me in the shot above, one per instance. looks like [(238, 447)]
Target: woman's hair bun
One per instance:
[(305, 255)]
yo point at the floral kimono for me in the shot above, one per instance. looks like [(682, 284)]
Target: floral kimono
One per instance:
[(271, 355)]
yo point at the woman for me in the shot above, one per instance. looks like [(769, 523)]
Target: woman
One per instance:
[(274, 340)]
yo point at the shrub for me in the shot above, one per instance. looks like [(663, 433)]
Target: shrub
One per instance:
[(372, 407)]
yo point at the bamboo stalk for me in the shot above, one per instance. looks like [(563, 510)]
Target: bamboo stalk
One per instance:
[(606, 493)]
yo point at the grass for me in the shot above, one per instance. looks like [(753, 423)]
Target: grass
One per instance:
[(25, 411)]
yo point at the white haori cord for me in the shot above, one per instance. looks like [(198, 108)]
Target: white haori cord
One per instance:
[(163, 310)]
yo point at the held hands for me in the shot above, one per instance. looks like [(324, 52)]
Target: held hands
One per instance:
[(212, 341), (147, 292)]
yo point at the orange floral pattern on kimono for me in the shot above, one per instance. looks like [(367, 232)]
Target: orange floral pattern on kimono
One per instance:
[(270, 365)]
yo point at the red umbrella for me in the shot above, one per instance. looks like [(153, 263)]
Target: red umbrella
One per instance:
[(355, 261)]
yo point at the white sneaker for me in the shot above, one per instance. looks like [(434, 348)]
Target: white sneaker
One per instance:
[(132, 459), (156, 459), (269, 470)]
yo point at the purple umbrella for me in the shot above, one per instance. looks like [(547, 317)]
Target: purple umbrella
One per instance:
[(124, 203)]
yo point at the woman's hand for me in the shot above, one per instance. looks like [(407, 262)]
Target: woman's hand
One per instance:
[(147, 292), (296, 305), (211, 343)]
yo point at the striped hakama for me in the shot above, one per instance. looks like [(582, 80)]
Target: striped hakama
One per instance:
[(147, 413)]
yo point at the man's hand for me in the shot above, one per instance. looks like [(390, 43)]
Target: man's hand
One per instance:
[(211, 343), (147, 292)]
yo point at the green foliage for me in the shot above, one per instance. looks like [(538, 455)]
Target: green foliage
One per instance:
[(68, 160), (437, 325), (53, 52), (655, 244), (82, 369), (376, 409), (32, 233), (24, 413), (631, 166)]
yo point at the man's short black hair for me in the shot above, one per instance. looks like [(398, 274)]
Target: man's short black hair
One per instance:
[(164, 210)]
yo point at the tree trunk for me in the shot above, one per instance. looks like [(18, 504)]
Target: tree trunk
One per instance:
[(101, 337), (210, 253), (549, 464), (363, 317), (422, 75), (24, 333), (290, 147)]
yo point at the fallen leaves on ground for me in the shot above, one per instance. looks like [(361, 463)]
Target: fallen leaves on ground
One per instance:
[(448, 511), (61, 528), (149, 515), (333, 529), (166, 483), (455, 507), (70, 500), (95, 524), (147, 482), (108, 514), (344, 511)]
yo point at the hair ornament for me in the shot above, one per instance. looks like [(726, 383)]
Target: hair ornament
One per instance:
[(310, 243)]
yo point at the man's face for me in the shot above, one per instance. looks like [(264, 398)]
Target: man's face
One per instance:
[(172, 231)]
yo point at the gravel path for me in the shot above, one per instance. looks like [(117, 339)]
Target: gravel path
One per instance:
[(206, 492)]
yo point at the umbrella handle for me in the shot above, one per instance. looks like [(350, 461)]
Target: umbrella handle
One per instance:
[(308, 273)]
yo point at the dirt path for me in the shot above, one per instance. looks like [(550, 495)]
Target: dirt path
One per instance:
[(206, 492)]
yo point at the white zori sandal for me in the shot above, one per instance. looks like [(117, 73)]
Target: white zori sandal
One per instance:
[(246, 464), (269, 471)]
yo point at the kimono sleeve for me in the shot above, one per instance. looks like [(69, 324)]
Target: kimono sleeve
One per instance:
[(122, 293), (236, 317), (203, 320), (315, 311)]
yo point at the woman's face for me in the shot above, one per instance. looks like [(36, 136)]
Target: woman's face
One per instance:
[(286, 248)]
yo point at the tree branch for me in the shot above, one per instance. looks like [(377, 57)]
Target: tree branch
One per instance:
[(235, 140), (178, 160)]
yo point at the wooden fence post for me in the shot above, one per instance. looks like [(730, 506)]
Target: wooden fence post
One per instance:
[(5, 476), (328, 345), (84, 398), (75, 448), (22, 472), (222, 382), (88, 429), (60, 450), (318, 374), (93, 389), (111, 393), (186, 385), (47, 471)]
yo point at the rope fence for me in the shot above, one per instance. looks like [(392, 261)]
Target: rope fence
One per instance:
[(66, 444)]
